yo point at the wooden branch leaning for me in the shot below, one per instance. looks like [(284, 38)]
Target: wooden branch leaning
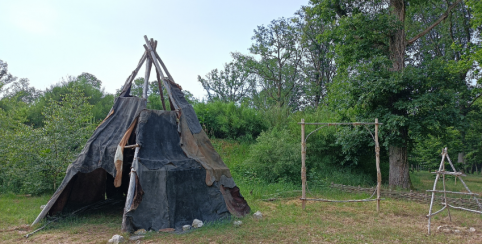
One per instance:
[(441, 172), (449, 173), (158, 68), (454, 192), (132, 146), (326, 200), (335, 124), (161, 90), (466, 209)]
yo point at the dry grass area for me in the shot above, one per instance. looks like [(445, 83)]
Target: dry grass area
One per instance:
[(283, 222)]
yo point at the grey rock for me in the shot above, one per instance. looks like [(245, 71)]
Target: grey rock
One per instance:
[(186, 227), (258, 215), (196, 223), (116, 239), (237, 223)]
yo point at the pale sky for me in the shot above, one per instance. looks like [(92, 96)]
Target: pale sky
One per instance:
[(47, 40)]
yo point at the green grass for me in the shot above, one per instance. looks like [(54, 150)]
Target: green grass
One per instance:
[(19, 210), (424, 180), (284, 221)]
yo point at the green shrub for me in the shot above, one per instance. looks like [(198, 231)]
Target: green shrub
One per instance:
[(274, 157), (228, 120), (341, 155)]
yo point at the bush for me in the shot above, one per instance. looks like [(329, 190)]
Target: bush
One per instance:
[(341, 155), (274, 157), (228, 120), (33, 160)]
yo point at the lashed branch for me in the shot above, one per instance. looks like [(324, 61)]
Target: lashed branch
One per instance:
[(442, 17)]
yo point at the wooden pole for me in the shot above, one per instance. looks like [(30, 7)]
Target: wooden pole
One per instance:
[(445, 193), (433, 192), (146, 78), (158, 67), (303, 167), (130, 191), (379, 173), (164, 66), (131, 77), (161, 91)]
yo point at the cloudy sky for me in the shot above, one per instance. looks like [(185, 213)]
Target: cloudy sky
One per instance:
[(47, 40)]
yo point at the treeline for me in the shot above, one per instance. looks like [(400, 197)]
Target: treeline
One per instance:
[(414, 65)]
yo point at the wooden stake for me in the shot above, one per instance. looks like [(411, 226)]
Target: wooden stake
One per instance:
[(445, 193), (433, 193), (303, 168), (379, 173)]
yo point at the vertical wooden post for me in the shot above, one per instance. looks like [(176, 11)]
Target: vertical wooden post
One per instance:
[(433, 191), (131, 191), (303, 167), (445, 194), (146, 78), (379, 173)]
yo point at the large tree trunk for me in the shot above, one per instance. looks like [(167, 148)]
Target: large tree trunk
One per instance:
[(399, 169), (397, 42)]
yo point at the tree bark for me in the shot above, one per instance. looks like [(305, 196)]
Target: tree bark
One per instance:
[(397, 42), (399, 168)]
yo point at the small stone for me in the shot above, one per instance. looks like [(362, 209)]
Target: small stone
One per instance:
[(166, 230), (237, 223), (258, 215), (196, 223), (140, 232), (43, 206), (116, 239), (135, 238), (472, 229), (186, 227), (457, 231)]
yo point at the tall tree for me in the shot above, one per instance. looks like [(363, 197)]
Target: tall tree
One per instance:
[(372, 38), (231, 84), (5, 76), (277, 62), (319, 65), (454, 42)]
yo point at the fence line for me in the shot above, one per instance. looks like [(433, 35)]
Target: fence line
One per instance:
[(410, 196)]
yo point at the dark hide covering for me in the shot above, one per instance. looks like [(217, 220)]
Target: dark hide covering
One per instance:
[(179, 175), (187, 110), (98, 153), (175, 191)]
